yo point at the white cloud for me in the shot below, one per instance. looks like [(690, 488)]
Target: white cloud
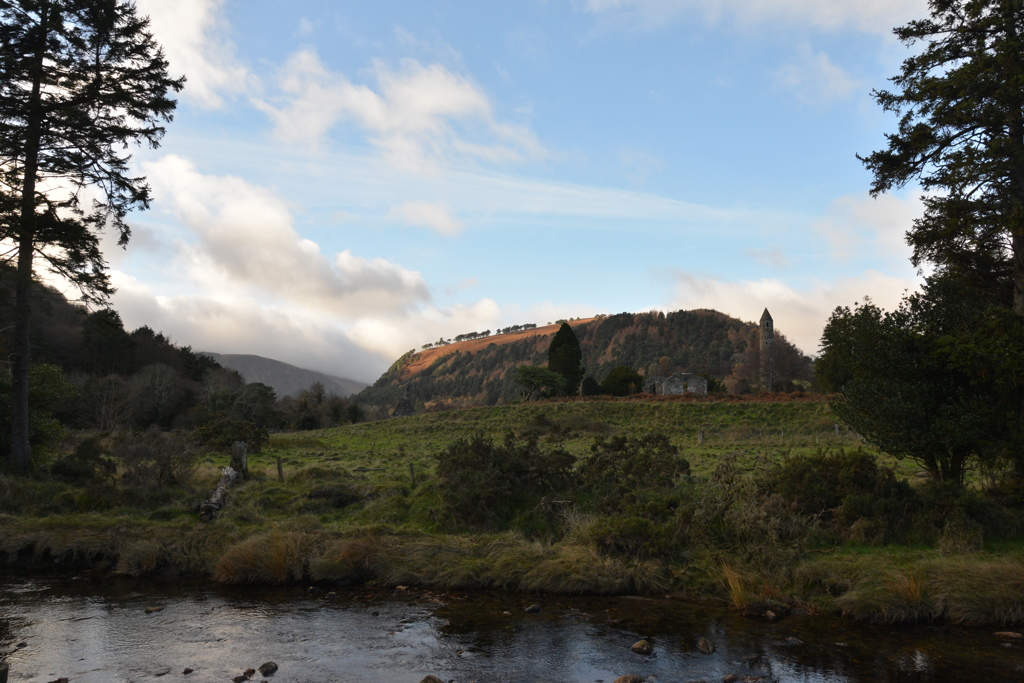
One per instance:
[(816, 80), (859, 225), (417, 117), (800, 314), (193, 33), (437, 217), (770, 257), (245, 324), (872, 16), (247, 241)]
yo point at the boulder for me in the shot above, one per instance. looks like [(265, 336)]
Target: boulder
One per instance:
[(706, 646), (1010, 635), (642, 647), (153, 610), (431, 679), (532, 609), (629, 679), (268, 668)]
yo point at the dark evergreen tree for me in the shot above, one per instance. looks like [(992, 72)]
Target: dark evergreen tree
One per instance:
[(566, 358), (79, 81), (622, 381), (961, 135)]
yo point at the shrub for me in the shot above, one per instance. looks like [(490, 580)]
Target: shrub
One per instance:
[(223, 431), (88, 461), (486, 484), (623, 471), (631, 536), (155, 457), (849, 489)]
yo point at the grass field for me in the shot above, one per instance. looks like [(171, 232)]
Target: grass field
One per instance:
[(362, 503)]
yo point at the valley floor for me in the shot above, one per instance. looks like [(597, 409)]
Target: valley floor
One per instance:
[(366, 503)]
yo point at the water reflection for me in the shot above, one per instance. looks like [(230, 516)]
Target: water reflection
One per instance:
[(99, 631)]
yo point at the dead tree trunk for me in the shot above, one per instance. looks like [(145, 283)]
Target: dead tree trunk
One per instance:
[(211, 507)]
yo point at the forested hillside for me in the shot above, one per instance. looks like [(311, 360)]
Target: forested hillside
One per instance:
[(480, 371)]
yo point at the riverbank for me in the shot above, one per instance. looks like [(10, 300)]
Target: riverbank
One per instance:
[(91, 630), (374, 504)]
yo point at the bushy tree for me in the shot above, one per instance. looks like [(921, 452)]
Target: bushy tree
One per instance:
[(79, 81), (622, 381), (566, 358), (532, 378), (939, 380)]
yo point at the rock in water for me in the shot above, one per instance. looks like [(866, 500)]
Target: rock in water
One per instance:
[(1008, 634), (268, 668), (629, 679), (532, 609), (642, 647), (187, 671), (431, 679), (706, 646), (153, 610)]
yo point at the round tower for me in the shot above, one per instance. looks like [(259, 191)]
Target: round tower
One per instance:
[(767, 352)]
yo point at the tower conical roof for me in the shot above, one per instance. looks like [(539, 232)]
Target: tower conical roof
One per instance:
[(766, 315)]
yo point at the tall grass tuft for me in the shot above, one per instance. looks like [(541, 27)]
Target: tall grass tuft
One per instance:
[(275, 557)]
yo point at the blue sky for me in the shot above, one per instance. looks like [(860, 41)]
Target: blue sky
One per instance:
[(345, 181)]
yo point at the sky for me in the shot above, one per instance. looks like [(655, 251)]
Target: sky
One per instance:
[(345, 181)]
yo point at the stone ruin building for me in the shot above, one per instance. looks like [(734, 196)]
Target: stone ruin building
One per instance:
[(677, 384)]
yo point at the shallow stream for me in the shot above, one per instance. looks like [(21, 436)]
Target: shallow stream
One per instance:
[(91, 630)]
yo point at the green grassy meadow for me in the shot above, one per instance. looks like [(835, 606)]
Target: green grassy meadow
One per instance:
[(364, 503)]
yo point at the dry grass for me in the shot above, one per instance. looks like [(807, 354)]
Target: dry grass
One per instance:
[(274, 557), (502, 561)]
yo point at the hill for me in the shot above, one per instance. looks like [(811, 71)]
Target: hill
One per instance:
[(285, 379), (479, 371)]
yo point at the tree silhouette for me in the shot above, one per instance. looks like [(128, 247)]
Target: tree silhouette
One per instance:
[(79, 81)]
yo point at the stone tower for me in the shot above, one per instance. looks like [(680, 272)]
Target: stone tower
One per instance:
[(767, 352)]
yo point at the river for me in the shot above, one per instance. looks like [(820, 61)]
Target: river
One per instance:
[(98, 630)]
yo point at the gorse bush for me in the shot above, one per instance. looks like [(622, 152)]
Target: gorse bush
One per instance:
[(862, 501), (623, 471), (490, 485)]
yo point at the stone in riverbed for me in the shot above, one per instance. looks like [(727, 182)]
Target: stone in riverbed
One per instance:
[(706, 646), (248, 673), (153, 610), (240, 679), (629, 679), (532, 609), (642, 647), (187, 671), (1012, 635), (431, 679), (268, 668)]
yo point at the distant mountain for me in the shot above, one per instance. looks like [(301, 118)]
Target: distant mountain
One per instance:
[(480, 370), (287, 380)]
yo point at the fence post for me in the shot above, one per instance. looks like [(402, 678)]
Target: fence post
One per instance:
[(412, 474), (280, 469)]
